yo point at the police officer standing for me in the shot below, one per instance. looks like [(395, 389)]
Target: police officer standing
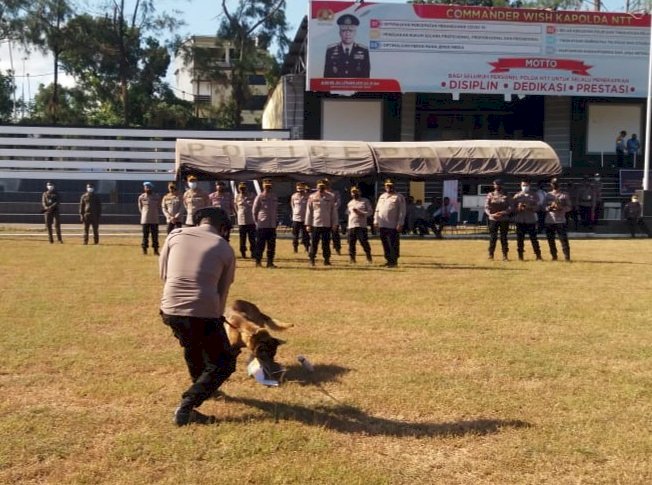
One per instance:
[(358, 209), (557, 205), (632, 212), (347, 58), (194, 199), (265, 212), (497, 207), (321, 220), (223, 199), (335, 233), (526, 204), (90, 210), (50, 208), (172, 207), (148, 206), (298, 204), (586, 203), (389, 218), (197, 266), (244, 204)]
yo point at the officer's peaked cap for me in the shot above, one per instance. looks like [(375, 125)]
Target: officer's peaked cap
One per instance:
[(147, 184), (267, 181), (242, 185), (348, 19), (192, 178), (498, 182), (389, 182)]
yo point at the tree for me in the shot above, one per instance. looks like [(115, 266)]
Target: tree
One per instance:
[(7, 88), (118, 54), (74, 107), (11, 16), (251, 29), (45, 24)]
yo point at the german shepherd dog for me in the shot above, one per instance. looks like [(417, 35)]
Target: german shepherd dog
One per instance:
[(247, 326)]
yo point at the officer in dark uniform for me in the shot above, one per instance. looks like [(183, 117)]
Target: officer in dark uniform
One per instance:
[(347, 58), (50, 203)]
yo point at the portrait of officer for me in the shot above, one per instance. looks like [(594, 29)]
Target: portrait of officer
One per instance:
[(347, 58)]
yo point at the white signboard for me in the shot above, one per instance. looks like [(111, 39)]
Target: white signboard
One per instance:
[(377, 47)]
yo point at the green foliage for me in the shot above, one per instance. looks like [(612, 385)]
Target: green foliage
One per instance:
[(12, 13), (7, 87), (74, 106)]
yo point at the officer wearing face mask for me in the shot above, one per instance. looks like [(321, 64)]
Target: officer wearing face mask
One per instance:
[(50, 208), (633, 212), (557, 205), (90, 210), (389, 218), (299, 204), (265, 212), (358, 210), (525, 204), (194, 199), (172, 207), (497, 206), (223, 199), (244, 205), (148, 206)]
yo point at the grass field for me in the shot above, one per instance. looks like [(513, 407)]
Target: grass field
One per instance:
[(450, 369)]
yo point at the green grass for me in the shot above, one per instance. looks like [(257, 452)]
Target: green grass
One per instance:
[(450, 369)]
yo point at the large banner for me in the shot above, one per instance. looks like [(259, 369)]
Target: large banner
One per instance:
[(378, 47)]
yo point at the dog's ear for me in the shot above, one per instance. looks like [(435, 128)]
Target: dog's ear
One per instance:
[(279, 341)]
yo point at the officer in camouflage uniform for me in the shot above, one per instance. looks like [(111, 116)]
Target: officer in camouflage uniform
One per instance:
[(50, 203), (148, 206), (347, 59), (90, 210)]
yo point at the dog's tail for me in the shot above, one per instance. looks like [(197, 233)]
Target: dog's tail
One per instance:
[(274, 325)]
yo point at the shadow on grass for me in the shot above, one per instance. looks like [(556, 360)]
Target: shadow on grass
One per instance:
[(348, 419), (322, 373)]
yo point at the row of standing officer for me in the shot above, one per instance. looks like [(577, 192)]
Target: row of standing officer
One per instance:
[(501, 209), (90, 210)]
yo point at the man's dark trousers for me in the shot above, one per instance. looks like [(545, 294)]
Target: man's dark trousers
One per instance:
[(391, 244), (322, 234), (207, 352)]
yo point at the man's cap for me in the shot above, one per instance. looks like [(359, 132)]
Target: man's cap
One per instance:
[(596, 174), (355, 189), (267, 182), (172, 184), (634, 196), (242, 185), (348, 19), (498, 182), (148, 184), (89, 184), (321, 183), (389, 182), (220, 183), (525, 181), (192, 178), (554, 180)]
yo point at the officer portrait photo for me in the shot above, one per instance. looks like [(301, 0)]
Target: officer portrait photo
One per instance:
[(347, 58)]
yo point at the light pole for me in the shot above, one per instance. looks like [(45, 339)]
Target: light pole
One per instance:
[(648, 116)]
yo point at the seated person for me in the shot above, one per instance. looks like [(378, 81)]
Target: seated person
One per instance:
[(420, 219), (442, 216)]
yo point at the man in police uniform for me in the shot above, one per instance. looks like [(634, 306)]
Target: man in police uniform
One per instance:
[(526, 204), (223, 199), (50, 203), (321, 219), (244, 203), (265, 211), (299, 203), (347, 58), (172, 208), (194, 199), (148, 206), (389, 218), (557, 205), (358, 209), (498, 209), (197, 266)]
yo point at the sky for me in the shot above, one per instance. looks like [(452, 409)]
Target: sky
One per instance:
[(202, 17)]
